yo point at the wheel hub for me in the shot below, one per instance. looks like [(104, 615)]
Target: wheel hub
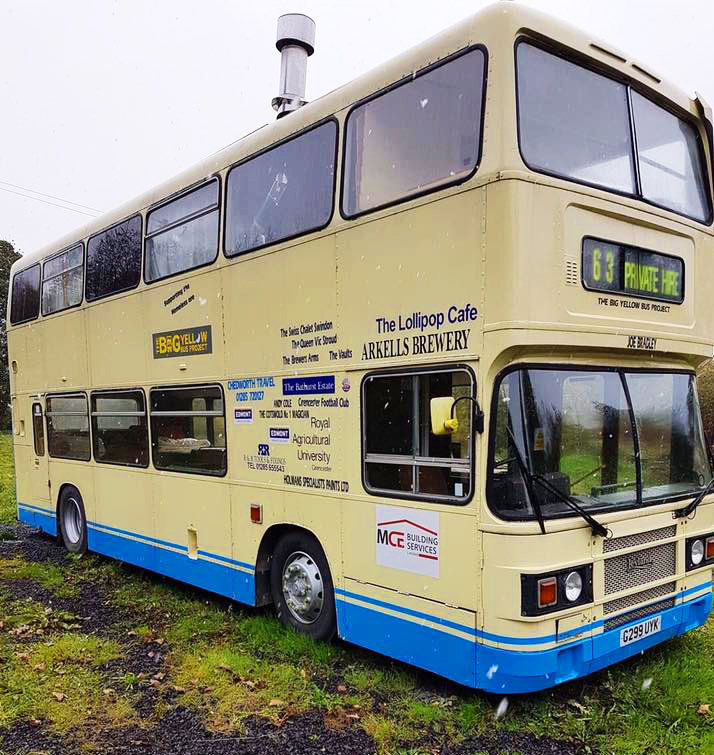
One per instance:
[(72, 520), (302, 588)]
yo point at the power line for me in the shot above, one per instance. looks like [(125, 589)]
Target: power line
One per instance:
[(44, 201), (51, 196)]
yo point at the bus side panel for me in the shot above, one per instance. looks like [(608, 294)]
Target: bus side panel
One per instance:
[(184, 314), (271, 305), (124, 526), (64, 344), (430, 636), (25, 351), (193, 543), (118, 353)]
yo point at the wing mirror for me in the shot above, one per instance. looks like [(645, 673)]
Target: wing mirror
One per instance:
[(443, 418)]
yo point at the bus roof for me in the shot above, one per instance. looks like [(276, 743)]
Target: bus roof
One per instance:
[(498, 23)]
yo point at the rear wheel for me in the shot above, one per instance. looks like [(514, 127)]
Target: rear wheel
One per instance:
[(73, 521), (301, 585)]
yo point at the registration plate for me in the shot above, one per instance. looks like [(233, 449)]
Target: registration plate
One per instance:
[(641, 630)]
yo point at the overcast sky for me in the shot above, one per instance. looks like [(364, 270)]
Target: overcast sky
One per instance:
[(100, 100)]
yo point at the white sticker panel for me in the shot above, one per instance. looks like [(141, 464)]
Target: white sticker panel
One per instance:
[(408, 540)]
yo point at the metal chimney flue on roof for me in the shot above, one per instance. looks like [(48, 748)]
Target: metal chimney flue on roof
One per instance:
[(296, 42)]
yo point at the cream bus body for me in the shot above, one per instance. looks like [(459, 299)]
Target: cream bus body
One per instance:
[(297, 326)]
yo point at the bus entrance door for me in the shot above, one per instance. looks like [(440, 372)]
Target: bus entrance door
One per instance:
[(39, 487)]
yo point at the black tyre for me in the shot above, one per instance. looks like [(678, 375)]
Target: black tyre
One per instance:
[(73, 521), (301, 585)]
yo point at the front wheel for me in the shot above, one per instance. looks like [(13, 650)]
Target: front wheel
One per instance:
[(301, 585), (73, 521)]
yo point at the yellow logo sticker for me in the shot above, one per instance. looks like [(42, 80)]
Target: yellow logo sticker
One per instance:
[(187, 342)]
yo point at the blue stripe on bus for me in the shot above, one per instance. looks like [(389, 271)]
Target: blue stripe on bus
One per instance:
[(119, 544), (36, 517), (198, 572), (417, 644), (538, 640), (504, 671), (407, 611), (142, 536)]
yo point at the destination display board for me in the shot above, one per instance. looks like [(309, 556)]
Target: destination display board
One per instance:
[(629, 270)]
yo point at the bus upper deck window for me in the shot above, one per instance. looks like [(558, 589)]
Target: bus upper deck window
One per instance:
[(183, 233), (573, 122), (422, 134), (669, 157), (283, 192), (63, 280), (114, 259), (25, 303)]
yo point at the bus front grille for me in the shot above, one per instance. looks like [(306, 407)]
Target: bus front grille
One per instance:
[(638, 538), (638, 613), (639, 568), (619, 604)]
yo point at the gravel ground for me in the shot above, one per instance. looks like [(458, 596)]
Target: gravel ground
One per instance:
[(180, 731)]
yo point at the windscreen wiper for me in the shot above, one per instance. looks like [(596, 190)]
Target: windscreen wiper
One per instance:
[(691, 507), (527, 481), (597, 528)]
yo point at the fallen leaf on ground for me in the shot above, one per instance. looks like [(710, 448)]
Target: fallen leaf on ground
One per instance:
[(275, 702), (59, 696), (341, 688), (703, 709)]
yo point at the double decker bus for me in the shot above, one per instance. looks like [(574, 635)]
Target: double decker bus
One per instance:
[(414, 363)]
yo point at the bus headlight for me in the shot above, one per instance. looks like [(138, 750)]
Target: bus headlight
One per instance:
[(556, 590), (573, 586), (696, 552), (700, 551)]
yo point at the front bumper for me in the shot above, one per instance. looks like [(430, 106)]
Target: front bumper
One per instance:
[(504, 671)]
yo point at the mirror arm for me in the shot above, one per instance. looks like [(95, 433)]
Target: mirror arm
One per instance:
[(478, 418)]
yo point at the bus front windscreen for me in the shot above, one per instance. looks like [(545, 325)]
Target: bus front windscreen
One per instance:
[(608, 439)]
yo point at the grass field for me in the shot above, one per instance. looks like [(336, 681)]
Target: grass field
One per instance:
[(95, 655)]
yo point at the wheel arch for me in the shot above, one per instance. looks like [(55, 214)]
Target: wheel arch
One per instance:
[(58, 519), (270, 539)]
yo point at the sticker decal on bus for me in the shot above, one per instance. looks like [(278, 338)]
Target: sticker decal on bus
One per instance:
[(408, 540), (308, 385), (243, 416), (187, 342)]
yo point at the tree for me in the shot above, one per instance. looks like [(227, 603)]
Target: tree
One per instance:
[(8, 255)]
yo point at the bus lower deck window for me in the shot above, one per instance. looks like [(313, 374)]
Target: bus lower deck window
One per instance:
[(68, 427), (401, 454), (188, 429), (119, 428)]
